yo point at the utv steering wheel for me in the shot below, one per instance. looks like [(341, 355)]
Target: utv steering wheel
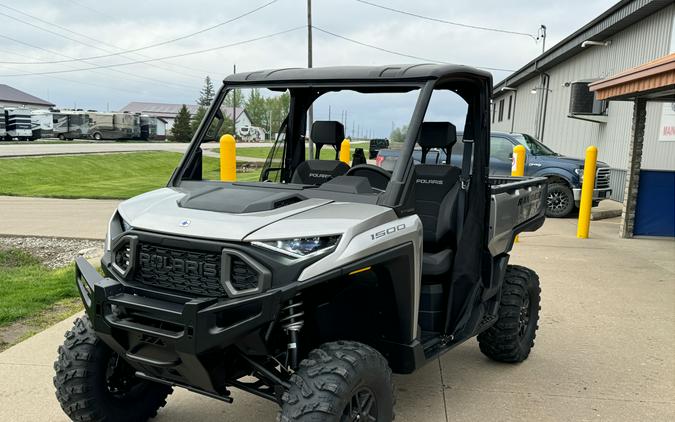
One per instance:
[(377, 176)]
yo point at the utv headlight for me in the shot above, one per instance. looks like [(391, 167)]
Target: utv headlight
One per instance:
[(301, 247), (580, 173)]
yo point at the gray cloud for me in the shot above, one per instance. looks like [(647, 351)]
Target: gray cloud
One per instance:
[(131, 24)]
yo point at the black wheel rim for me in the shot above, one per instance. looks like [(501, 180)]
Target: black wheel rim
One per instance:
[(524, 317), (557, 201), (119, 377), (361, 407)]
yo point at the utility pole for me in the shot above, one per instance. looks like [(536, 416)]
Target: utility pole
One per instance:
[(310, 112), (328, 111), (542, 35)]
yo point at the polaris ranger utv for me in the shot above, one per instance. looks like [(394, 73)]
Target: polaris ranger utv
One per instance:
[(312, 285)]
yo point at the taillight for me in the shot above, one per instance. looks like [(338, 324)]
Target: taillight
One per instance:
[(378, 160)]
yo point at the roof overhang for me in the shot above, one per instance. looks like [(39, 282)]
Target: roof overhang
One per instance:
[(654, 81), (613, 20)]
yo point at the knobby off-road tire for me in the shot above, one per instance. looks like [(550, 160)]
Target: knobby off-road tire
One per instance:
[(511, 338), (341, 381), (560, 201), (83, 382)]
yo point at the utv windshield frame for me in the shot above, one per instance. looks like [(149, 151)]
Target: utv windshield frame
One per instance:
[(306, 85)]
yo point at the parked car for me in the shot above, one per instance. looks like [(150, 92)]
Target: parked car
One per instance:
[(308, 288), (565, 174), (376, 145)]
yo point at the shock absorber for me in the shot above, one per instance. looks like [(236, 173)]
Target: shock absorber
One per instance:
[(292, 321)]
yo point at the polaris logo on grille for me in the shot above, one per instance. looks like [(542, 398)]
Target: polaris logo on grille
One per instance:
[(184, 222), (165, 264)]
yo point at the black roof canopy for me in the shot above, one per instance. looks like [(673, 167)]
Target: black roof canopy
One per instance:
[(400, 73)]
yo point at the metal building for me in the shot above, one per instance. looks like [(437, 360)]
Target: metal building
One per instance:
[(550, 97)]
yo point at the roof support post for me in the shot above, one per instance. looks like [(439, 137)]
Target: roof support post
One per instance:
[(634, 166)]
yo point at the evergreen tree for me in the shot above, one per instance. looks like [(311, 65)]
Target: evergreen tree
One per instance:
[(207, 93), (256, 107), (181, 131), (197, 119)]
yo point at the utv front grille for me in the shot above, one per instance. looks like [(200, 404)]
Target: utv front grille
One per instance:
[(191, 272), (242, 275), (201, 273)]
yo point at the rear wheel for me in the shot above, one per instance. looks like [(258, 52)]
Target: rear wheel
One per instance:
[(511, 338), (62, 137), (340, 382), (560, 200), (94, 384)]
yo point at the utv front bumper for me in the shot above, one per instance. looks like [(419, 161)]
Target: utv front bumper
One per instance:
[(169, 336)]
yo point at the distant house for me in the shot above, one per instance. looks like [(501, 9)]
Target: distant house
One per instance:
[(12, 97), (168, 112)]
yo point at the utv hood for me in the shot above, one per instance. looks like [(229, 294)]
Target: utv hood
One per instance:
[(213, 213)]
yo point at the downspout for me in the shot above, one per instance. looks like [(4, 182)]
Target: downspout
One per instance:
[(513, 115), (543, 116)]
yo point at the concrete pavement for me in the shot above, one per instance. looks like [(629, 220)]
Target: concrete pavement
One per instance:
[(52, 217), (604, 349)]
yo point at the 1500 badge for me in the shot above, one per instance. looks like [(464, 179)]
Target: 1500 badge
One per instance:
[(390, 230)]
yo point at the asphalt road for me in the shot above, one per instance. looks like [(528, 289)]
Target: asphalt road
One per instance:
[(604, 350), (33, 149)]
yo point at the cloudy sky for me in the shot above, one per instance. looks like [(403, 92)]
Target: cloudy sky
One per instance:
[(38, 31)]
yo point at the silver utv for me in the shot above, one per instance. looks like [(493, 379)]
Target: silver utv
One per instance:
[(311, 285)]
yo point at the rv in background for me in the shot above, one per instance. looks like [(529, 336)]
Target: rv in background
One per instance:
[(152, 128), (3, 130), (18, 124), (114, 125), (42, 124), (70, 124)]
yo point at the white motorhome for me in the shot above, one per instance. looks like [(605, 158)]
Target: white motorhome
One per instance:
[(3, 129), (18, 124), (70, 124), (42, 124)]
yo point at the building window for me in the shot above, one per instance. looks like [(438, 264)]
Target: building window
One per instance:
[(508, 115), (501, 110)]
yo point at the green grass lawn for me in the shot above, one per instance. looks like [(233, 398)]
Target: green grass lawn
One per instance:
[(27, 287), (101, 176), (327, 153)]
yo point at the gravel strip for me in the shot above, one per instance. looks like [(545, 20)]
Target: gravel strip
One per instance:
[(54, 252)]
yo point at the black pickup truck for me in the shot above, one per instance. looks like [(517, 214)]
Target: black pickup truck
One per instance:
[(565, 174)]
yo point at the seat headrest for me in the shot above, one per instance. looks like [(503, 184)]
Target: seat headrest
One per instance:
[(327, 132), (437, 135)]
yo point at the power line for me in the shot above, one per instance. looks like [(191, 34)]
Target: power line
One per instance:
[(133, 50), (191, 53), (410, 56), (63, 28), (163, 83), (464, 25)]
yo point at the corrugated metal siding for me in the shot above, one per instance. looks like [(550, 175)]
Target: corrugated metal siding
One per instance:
[(642, 42)]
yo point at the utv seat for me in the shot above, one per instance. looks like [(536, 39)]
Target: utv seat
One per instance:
[(316, 171), (436, 191)]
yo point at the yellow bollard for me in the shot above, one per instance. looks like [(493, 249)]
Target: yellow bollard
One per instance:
[(518, 162), (518, 167), (587, 187), (228, 158), (345, 153)]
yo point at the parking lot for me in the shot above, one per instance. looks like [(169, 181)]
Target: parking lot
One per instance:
[(603, 351)]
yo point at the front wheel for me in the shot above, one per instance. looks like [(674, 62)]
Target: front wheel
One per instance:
[(560, 201), (511, 338), (340, 382), (97, 136), (93, 384)]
